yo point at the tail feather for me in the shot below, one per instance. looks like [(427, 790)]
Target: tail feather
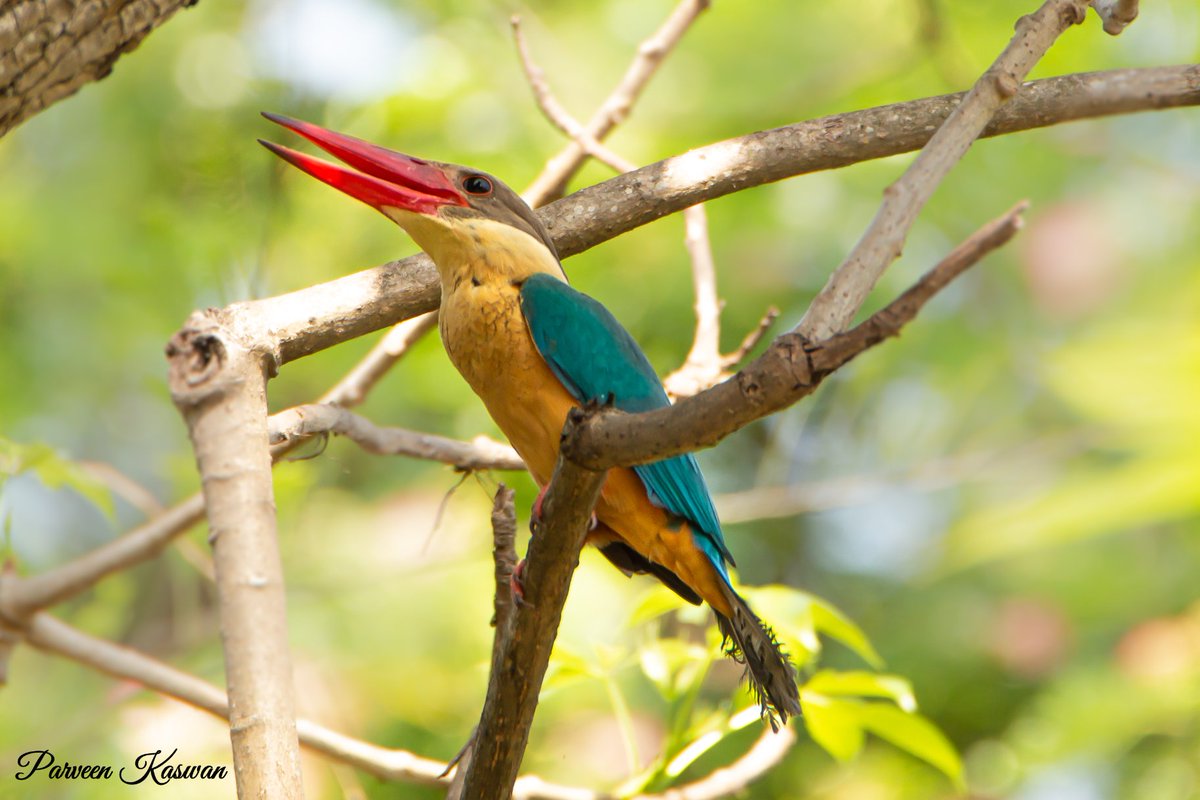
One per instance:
[(771, 674)]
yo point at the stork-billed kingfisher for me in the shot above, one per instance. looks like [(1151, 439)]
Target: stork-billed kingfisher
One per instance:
[(532, 347)]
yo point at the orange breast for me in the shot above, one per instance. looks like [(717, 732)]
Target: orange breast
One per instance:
[(488, 341)]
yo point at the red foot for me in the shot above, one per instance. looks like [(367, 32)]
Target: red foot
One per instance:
[(535, 515), (516, 582)]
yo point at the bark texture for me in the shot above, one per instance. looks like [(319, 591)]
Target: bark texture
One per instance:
[(50, 48)]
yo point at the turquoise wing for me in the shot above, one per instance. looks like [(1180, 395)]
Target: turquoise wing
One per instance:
[(597, 360)]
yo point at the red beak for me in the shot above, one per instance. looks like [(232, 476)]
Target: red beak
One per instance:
[(384, 178)]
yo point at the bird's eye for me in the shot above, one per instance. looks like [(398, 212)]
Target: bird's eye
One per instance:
[(477, 184)]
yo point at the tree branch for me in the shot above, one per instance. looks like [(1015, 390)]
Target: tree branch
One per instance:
[(791, 368), (317, 317), (522, 648), (48, 50), (218, 380), (303, 422), (835, 306)]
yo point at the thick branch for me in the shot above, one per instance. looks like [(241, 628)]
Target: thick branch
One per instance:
[(835, 306), (523, 645), (791, 368), (48, 50), (218, 381), (303, 422), (311, 319)]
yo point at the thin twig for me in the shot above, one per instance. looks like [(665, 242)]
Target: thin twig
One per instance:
[(773, 502), (144, 501), (706, 346), (21, 596), (552, 182), (303, 422), (124, 487), (557, 114), (504, 558), (835, 305), (751, 339)]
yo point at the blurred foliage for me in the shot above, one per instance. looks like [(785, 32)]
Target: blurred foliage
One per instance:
[(1036, 589)]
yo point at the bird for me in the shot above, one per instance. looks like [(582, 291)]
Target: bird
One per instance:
[(532, 347)]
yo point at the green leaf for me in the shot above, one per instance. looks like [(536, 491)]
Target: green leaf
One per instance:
[(864, 684), (566, 667), (654, 603), (672, 664), (54, 471), (914, 734), (833, 724), (837, 717)]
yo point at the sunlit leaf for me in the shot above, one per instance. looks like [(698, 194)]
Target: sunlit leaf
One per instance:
[(672, 664), (566, 667), (693, 751), (653, 604), (914, 734), (712, 735), (864, 684), (833, 724)]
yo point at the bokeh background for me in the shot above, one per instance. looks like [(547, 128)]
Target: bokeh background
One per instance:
[(1006, 499)]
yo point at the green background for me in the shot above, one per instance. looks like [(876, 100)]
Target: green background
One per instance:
[(1009, 494)]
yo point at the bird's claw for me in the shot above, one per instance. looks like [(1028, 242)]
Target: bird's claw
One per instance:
[(535, 514), (516, 583)]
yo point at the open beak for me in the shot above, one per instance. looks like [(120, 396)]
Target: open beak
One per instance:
[(381, 178)]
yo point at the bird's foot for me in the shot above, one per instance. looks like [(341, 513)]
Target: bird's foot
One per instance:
[(516, 583), (535, 514)]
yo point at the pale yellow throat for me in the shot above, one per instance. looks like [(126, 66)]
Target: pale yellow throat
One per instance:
[(478, 248)]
